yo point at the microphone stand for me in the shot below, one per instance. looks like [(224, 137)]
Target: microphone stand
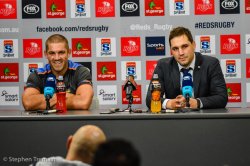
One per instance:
[(187, 101), (47, 103), (130, 102)]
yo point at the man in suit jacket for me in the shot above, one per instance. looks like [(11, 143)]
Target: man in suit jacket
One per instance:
[(209, 87)]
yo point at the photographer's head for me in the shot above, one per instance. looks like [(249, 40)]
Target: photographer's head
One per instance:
[(116, 152)]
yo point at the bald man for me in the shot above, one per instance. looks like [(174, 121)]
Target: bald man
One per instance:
[(81, 148)]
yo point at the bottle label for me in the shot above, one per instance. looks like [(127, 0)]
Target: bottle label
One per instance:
[(60, 87), (156, 95)]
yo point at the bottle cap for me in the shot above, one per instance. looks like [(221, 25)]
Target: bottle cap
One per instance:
[(60, 78), (155, 76)]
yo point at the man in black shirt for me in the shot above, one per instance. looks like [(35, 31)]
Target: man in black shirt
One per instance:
[(77, 78)]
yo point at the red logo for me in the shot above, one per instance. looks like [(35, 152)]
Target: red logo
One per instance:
[(137, 99), (55, 8), (247, 6), (203, 7), (230, 44), (8, 9), (32, 48), (130, 46), (248, 68), (234, 92), (9, 72), (150, 67), (106, 71), (105, 8), (81, 47), (154, 7)]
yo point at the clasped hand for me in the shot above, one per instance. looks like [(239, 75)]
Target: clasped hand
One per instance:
[(180, 102)]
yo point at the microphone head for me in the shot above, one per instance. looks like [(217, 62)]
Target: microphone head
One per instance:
[(50, 81), (187, 91), (49, 92), (50, 85), (187, 85), (130, 82), (187, 80)]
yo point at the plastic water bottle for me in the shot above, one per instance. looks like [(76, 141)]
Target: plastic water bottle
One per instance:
[(155, 95), (61, 95)]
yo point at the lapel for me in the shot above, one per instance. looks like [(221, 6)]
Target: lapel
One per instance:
[(197, 73), (176, 77)]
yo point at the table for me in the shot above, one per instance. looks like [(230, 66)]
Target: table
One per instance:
[(208, 137)]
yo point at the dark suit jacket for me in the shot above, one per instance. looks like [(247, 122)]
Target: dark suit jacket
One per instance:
[(208, 81)]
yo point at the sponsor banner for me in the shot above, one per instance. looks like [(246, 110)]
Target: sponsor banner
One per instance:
[(154, 8), (179, 7), (231, 68), (9, 96), (137, 98), (204, 7), (105, 8), (247, 6), (248, 92), (8, 48), (155, 46), (106, 47), (247, 43), (150, 67), (30, 68), (230, 44), (32, 48), (130, 46), (205, 44), (9, 72), (107, 94), (131, 68), (8, 9), (88, 65), (234, 92), (55, 9), (31, 9), (106, 71), (229, 6), (80, 8), (129, 8), (81, 47), (248, 68)]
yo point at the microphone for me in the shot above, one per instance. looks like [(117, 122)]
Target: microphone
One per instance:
[(49, 89), (187, 87), (50, 85), (129, 86)]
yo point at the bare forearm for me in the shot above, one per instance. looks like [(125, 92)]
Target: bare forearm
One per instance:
[(78, 102), (34, 102)]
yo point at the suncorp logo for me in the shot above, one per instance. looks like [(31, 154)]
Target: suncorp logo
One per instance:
[(229, 4), (129, 7), (31, 9)]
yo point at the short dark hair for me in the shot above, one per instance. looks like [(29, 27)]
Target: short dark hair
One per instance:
[(56, 38), (179, 31), (116, 152)]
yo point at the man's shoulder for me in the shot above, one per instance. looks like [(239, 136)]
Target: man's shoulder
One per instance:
[(166, 60), (74, 65), (59, 161), (43, 70), (206, 57)]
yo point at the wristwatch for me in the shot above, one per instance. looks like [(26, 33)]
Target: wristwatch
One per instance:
[(198, 103)]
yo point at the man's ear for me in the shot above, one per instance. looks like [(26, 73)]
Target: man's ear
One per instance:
[(45, 54), (194, 44), (70, 52), (69, 142)]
